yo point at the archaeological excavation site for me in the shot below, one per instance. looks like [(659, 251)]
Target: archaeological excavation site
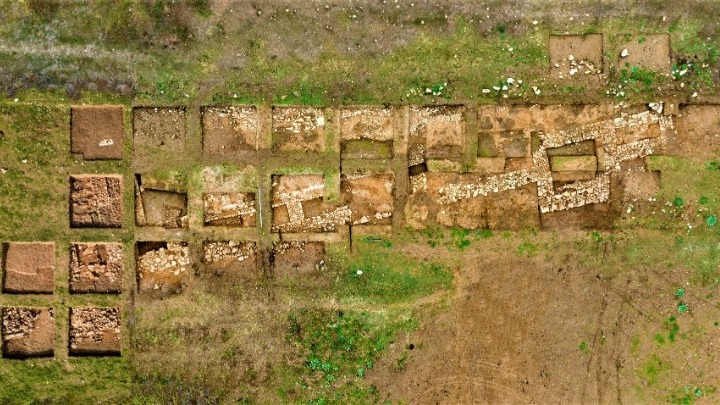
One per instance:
[(359, 202)]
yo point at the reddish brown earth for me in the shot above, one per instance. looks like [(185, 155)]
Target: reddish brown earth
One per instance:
[(96, 267), (97, 131), (28, 332), (229, 130), (28, 267), (96, 201), (94, 331)]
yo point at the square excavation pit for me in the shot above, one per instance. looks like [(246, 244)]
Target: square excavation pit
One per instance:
[(96, 267), (650, 52), (506, 144), (298, 129), (28, 332), (159, 127), (94, 331), (96, 201), (439, 130), (159, 207), (697, 132), (289, 259), (298, 204), (230, 261), (163, 268), (370, 197), (577, 57), (367, 133), (97, 131), (28, 267), (229, 130), (229, 209)]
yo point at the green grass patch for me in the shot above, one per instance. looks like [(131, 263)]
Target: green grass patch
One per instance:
[(81, 380), (382, 275)]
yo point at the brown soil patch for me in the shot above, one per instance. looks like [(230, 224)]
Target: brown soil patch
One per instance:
[(439, 130), (94, 331), (97, 131), (156, 205), (289, 259), (229, 262), (299, 206), (228, 130), (370, 197), (163, 268), (28, 332), (229, 209), (96, 201), (511, 209), (298, 129), (642, 185), (159, 127), (697, 133), (576, 57), (645, 51), (498, 118), (28, 267), (96, 267), (367, 133)]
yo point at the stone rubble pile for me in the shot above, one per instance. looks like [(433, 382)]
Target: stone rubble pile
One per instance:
[(91, 324), (174, 259), (18, 322), (218, 251)]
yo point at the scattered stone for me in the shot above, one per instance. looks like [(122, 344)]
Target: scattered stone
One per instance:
[(298, 129), (96, 201), (96, 267), (28, 332), (159, 128), (162, 268), (289, 259), (229, 209), (228, 130), (94, 331)]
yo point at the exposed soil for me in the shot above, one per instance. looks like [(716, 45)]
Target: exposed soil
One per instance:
[(28, 268), (298, 129), (514, 329), (94, 331), (441, 130), (28, 332), (226, 263), (370, 197), (96, 201), (96, 267), (228, 130), (698, 133), (645, 51), (97, 131), (292, 259), (159, 128), (576, 58), (229, 209), (163, 268), (166, 209)]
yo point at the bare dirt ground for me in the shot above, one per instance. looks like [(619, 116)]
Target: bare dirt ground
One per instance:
[(543, 329)]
